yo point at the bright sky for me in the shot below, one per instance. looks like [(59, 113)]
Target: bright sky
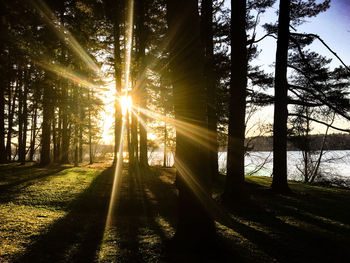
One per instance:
[(333, 26), (108, 98)]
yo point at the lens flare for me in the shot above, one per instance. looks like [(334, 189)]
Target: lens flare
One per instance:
[(126, 104)]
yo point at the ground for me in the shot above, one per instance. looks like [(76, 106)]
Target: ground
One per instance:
[(64, 214)]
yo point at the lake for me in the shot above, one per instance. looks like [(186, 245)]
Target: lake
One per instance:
[(335, 164)]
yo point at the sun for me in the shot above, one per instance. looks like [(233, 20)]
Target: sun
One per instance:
[(126, 104)]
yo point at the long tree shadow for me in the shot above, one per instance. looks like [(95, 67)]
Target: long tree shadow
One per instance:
[(77, 236), (26, 175), (162, 187), (285, 240), (267, 231), (138, 234), (144, 222)]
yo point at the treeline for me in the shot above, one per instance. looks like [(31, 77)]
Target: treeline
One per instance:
[(333, 142), (49, 81)]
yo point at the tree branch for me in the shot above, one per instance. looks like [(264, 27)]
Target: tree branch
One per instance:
[(318, 121), (324, 43)]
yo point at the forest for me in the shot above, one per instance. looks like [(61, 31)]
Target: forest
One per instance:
[(114, 115)]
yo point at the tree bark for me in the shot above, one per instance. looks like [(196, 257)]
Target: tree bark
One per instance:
[(134, 138), (165, 149), (33, 134), (11, 107), (46, 127), (3, 82), (23, 149), (207, 40), (76, 127), (142, 92), (279, 179), (19, 112), (65, 133), (237, 104), (186, 64), (54, 140), (118, 79), (81, 136), (90, 130), (2, 122)]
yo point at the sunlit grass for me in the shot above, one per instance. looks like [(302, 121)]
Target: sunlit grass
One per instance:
[(28, 209)]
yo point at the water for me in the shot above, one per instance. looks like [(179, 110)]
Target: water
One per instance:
[(333, 164)]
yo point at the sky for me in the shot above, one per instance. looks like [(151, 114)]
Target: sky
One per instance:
[(333, 26)]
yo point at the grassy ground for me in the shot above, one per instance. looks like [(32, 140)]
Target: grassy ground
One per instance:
[(63, 214)]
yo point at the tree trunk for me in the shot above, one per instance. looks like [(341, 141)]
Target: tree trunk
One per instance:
[(207, 40), (134, 138), (65, 133), (81, 142), (3, 82), (118, 80), (33, 135), (76, 127), (21, 81), (237, 104), (279, 180), (165, 141), (11, 107), (2, 122), (46, 127), (128, 138), (314, 172), (76, 148), (54, 140), (23, 149), (90, 130), (195, 224), (59, 135), (142, 92)]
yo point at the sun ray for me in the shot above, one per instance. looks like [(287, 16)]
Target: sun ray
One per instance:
[(64, 73), (128, 47), (126, 105), (139, 118), (194, 132), (204, 196), (117, 178), (63, 33)]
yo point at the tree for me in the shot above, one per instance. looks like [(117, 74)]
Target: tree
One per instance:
[(208, 43), (141, 46), (295, 12), (279, 181), (3, 84), (193, 180), (236, 128)]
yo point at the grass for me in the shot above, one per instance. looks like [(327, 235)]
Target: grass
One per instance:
[(59, 214), (309, 225), (32, 198)]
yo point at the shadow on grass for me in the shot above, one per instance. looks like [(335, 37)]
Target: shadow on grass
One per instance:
[(144, 220), (138, 234), (14, 175), (284, 232), (162, 187), (77, 236)]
